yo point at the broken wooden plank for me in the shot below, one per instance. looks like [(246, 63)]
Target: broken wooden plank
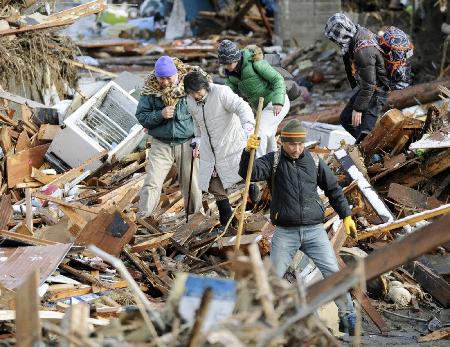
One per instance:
[(23, 142), (47, 132), (6, 211), (5, 140), (18, 262), (28, 325), (19, 165), (27, 240), (388, 227), (75, 323), (364, 186), (393, 255), (29, 210), (436, 335), (142, 266), (40, 26), (91, 7), (265, 293), (422, 172), (74, 205), (154, 242), (109, 231), (431, 282), (388, 131), (408, 197)]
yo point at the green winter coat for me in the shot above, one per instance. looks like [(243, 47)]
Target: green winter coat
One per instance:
[(257, 78), (176, 130)]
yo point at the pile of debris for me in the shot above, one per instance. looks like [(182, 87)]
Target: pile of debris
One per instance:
[(71, 243), (36, 62)]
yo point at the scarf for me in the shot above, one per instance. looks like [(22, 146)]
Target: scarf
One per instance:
[(341, 30), (171, 94)]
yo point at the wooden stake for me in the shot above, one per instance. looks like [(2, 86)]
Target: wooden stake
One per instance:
[(28, 326), (75, 323), (264, 291), (194, 339), (29, 210), (248, 178)]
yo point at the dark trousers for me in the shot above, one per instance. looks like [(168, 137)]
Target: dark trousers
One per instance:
[(368, 119)]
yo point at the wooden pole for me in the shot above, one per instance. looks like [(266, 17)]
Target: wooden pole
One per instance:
[(29, 210), (28, 324), (248, 178), (194, 340)]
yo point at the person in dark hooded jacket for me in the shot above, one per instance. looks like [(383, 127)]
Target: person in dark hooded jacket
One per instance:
[(366, 72)]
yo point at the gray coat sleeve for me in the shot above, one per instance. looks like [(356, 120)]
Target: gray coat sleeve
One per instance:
[(328, 183)]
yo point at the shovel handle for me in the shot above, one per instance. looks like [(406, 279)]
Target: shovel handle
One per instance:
[(248, 178)]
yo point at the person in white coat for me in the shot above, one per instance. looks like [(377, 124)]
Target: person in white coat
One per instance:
[(222, 123)]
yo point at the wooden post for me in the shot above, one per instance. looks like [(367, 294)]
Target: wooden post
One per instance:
[(75, 323), (29, 210), (28, 325), (262, 282), (194, 339), (248, 178)]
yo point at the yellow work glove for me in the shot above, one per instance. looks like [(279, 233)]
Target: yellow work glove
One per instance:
[(253, 142), (350, 226)]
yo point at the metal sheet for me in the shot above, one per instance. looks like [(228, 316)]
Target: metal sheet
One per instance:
[(17, 263)]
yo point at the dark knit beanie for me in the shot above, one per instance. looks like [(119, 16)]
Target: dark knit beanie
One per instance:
[(293, 131), (228, 52)]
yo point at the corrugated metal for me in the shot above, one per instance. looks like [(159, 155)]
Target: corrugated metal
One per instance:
[(17, 263)]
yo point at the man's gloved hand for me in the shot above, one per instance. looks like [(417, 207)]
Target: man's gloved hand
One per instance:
[(350, 226), (253, 142)]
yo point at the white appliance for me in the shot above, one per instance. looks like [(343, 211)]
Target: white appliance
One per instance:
[(105, 121), (328, 135)]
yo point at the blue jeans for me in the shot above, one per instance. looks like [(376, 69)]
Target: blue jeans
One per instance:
[(313, 241)]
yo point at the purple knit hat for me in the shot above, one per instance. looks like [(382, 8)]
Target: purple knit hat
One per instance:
[(165, 67)]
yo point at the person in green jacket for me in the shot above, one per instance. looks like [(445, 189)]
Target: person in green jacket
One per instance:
[(163, 111), (252, 77)]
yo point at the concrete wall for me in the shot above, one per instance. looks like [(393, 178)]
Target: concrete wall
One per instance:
[(301, 22)]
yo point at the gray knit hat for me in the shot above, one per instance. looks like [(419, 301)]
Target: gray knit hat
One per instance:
[(228, 52)]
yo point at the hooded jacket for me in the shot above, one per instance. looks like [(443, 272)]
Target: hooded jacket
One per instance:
[(257, 78), (365, 68), (364, 62)]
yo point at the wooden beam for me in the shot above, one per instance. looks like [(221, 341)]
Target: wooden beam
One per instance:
[(76, 206), (388, 227), (29, 210), (392, 256), (28, 326), (75, 323), (154, 242)]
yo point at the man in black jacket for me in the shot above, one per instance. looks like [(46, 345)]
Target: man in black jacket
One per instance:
[(364, 64), (296, 209)]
